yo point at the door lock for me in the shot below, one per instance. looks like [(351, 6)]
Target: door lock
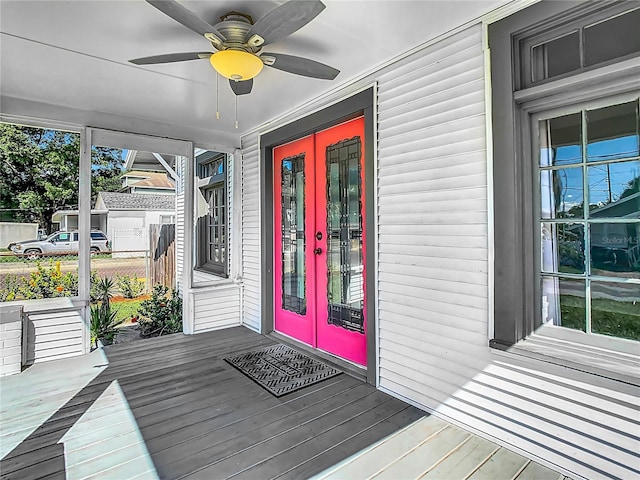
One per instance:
[(318, 235), (317, 251)]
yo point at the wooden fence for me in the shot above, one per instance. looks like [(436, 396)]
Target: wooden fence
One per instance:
[(162, 264)]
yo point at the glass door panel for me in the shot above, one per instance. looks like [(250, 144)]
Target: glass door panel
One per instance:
[(345, 289), (293, 235)]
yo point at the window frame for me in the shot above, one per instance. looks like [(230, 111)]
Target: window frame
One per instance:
[(560, 26), (516, 290), (591, 339), (201, 238)]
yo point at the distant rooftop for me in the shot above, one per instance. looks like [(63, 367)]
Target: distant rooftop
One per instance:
[(137, 201), (151, 179)]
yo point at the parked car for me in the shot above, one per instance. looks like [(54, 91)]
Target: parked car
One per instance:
[(59, 243)]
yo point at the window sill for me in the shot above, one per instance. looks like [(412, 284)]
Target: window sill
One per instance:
[(622, 367)]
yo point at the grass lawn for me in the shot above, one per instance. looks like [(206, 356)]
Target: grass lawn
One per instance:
[(127, 307)]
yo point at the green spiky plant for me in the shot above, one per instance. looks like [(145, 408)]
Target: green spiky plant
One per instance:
[(104, 324)]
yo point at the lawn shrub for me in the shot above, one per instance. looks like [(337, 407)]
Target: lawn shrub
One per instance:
[(161, 314)]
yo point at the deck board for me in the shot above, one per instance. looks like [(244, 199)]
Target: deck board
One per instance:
[(171, 407), (386, 452), (354, 444), (324, 440), (504, 462), (464, 461), (422, 458)]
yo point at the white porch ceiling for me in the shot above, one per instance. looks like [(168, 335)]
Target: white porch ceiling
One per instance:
[(67, 61)]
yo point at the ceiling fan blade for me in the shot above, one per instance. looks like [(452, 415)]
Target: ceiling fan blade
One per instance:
[(170, 58), (283, 21), (299, 66), (241, 88), (186, 17)]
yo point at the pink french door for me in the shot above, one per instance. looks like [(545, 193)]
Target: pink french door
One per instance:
[(319, 244)]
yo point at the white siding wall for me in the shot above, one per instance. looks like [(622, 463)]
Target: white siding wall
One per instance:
[(52, 329), (433, 278), (251, 232), (217, 307)]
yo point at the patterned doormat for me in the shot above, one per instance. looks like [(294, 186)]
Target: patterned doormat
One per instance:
[(281, 369)]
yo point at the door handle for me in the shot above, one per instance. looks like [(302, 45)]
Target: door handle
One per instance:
[(317, 251), (318, 235)]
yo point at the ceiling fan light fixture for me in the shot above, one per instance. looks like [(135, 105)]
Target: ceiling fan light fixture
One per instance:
[(236, 64)]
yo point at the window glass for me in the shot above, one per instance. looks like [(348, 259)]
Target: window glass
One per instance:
[(216, 224), (563, 303), (561, 140), (615, 249), (613, 38), (612, 132), (63, 237), (558, 56), (615, 309), (614, 190), (561, 193), (562, 248)]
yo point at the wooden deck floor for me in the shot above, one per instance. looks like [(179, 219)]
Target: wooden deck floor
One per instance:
[(172, 408)]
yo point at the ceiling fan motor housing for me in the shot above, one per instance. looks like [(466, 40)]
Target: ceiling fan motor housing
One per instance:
[(238, 42)]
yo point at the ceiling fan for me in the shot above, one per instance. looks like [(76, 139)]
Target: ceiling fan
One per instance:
[(238, 42)]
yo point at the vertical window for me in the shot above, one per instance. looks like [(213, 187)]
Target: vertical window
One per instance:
[(566, 175), (211, 210), (589, 170)]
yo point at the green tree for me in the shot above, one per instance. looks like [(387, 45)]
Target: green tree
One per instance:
[(39, 172)]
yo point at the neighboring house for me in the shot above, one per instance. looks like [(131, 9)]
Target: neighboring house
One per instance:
[(129, 216), (402, 225), (135, 182), (156, 183), (68, 219)]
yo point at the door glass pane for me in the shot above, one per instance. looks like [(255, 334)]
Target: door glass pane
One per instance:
[(560, 140), (293, 235), (615, 309), (615, 249), (614, 190), (345, 290), (562, 248), (563, 302), (561, 193), (612, 132)]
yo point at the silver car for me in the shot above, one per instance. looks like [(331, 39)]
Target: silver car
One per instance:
[(59, 243)]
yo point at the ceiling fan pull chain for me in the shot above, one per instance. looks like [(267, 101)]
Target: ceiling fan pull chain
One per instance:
[(217, 98), (236, 110)]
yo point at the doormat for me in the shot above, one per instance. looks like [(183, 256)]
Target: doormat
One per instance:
[(281, 369)]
